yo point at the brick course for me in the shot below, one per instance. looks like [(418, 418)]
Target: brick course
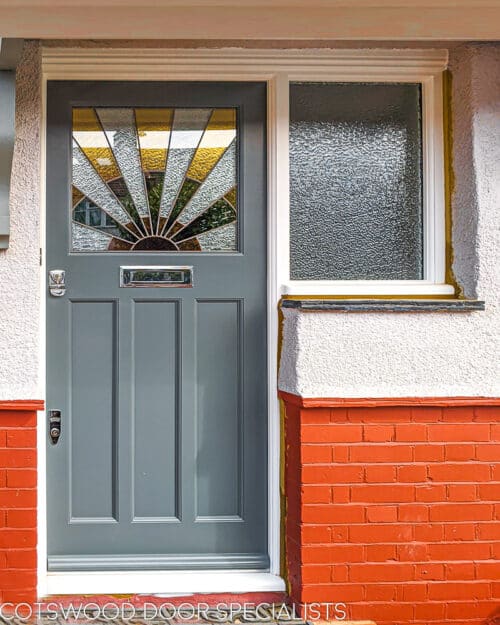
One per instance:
[(396, 513), (18, 503)]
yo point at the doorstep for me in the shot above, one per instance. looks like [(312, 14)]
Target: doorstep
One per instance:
[(164, 583)]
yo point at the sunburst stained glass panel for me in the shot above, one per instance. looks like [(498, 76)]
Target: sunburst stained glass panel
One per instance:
[(154, 179)]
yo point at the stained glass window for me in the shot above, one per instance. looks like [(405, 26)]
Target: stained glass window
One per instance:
[(355, 182), (154, 179)]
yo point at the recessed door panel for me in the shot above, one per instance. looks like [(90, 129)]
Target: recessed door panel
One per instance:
[(93, 423), (156, 431), (219, 409)]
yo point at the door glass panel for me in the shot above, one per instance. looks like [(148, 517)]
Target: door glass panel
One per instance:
[(154, 179)]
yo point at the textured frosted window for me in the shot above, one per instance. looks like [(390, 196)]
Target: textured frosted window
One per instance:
[(355, 181)]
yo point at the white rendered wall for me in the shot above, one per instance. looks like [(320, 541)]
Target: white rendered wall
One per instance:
[(328, 354), (424, 354), (19, 264)]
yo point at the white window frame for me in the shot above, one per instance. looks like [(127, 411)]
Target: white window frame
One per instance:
[(389, 67), (277, 69)]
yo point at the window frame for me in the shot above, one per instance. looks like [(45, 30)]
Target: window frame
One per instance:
[(433, 175)]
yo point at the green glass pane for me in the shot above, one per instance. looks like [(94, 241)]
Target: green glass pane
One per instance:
[(187, 191), (218, 215)]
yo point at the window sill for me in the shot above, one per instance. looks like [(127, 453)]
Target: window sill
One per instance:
[(380, 305), (367, 288)]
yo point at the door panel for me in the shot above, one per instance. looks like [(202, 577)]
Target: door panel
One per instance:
[(218, 441), (93, 409), (156, 357), (162, 461)]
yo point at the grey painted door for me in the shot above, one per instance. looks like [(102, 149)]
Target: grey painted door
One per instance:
[(162, 458)]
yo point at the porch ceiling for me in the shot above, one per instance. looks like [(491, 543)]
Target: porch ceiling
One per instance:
[(477, 4), (379, 20)]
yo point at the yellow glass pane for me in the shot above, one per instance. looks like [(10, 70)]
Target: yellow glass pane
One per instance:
[(77, 196), (89, 135), (231, 196), (218, 135), (153, 129)]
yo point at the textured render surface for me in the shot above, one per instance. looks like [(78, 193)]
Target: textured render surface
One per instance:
[(424, 354), (465, 201), (390, 354), (19, 265), (476, 198)]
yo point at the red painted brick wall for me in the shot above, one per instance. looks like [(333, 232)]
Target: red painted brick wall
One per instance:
[(394, 511), (18, 502)]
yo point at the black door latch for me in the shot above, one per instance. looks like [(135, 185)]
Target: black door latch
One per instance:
[(54, 425)]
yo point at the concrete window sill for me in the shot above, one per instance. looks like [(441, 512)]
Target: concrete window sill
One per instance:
[(383, 305)]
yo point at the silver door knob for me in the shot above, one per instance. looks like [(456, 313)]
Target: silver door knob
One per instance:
[(57, 282)]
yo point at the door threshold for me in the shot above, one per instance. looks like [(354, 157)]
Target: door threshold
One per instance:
[(161, 582)]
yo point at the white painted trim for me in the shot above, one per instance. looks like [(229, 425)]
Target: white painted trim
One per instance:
[(273, 296), (281, 183), (42, 415), (167, 583), (276, 68), (365, 287), (156, 64), (434, 180)]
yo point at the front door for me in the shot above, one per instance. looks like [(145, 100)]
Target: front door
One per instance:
[(156, 341)]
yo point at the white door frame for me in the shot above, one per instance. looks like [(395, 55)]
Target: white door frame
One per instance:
[(276, 68), (67, 64)]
